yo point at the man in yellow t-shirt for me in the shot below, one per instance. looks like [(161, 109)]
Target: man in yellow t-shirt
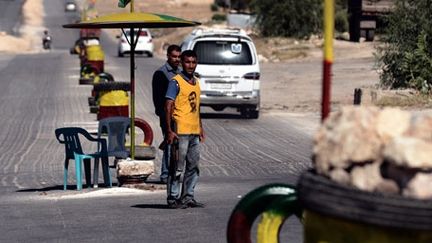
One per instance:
[(182, 108)]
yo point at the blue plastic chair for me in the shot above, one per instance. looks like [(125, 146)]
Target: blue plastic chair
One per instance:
[(115, 128), (69, 136)]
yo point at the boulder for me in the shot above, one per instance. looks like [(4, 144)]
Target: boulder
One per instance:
[(377, 150)]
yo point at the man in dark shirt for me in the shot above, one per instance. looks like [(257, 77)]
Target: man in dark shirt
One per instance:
[(160, 80)]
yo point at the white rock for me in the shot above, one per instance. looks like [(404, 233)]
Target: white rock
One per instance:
[(409, 152), (340, 176), (419, 187), (135, 167), (392, 122), (347, 137), (421, 127), (366, 177)]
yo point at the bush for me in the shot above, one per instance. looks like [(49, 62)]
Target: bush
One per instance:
[(219, 17), (341, 21), (288, 18), (406, 57), (214, 7)]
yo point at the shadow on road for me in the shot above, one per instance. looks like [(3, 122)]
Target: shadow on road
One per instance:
[(44, 189), (220, 116), (60, 188), (154, 206)]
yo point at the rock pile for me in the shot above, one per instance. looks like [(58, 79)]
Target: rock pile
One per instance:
[(378, 150)]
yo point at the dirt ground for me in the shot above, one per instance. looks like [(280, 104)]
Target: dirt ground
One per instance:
[(289, 82), (31, 30), (283, 89)]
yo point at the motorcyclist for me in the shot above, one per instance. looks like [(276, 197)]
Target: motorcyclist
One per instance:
[(46, 40)]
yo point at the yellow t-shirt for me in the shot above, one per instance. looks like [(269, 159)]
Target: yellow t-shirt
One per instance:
[(187, 107)]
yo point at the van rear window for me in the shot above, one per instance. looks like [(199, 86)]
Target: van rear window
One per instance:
[(223, 52), (143, 33)]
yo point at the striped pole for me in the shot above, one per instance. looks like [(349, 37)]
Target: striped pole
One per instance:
[(328, 56), (132, 83)]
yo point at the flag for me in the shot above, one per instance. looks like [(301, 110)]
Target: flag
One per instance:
[(123, 3)]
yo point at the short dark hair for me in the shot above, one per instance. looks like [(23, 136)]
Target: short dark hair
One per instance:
[(188, 53), (172, 48)]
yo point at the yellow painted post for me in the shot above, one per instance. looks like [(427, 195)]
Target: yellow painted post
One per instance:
[(132, 98), (328, 56)]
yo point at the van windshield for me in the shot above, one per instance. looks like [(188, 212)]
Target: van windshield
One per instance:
[(223, 52)]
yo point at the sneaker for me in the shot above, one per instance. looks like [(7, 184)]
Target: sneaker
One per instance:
[(176, 205), (194, 204)]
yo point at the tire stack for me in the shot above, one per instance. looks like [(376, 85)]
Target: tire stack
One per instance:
[(93, 99), (112, 99), (92, 61), (90, 53)]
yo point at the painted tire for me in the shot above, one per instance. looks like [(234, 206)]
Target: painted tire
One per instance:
[(108, 86), (273, 218), (146, 128), (85, 81), (88, 69), (324, 196), (94, 109), (106, 77), (252, 205)]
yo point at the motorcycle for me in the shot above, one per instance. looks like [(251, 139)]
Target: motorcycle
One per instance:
[(46, 42)]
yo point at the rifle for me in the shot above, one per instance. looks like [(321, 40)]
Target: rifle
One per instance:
[(173, 156)]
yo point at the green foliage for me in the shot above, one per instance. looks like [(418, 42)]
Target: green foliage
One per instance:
[(406, 57), (214, 7), (341, 20), (288, 18), (341, 5), (219, 17)]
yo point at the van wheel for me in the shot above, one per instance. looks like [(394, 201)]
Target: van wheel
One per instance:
[(249, 113), (253, 114), (370, 34)]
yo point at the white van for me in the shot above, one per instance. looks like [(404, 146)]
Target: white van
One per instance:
[(228, 69)]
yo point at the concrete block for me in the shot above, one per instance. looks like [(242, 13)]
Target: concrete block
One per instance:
[(128, 168)]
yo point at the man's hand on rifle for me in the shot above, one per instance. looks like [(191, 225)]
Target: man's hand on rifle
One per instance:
[(171, 136)]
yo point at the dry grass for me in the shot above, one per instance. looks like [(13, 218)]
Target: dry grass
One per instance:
[(413, 101)]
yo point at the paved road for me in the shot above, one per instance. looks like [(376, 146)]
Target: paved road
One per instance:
[(40, 92)]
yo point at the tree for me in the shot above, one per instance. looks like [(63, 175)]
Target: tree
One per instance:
[(288, 18), (406, 56)]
